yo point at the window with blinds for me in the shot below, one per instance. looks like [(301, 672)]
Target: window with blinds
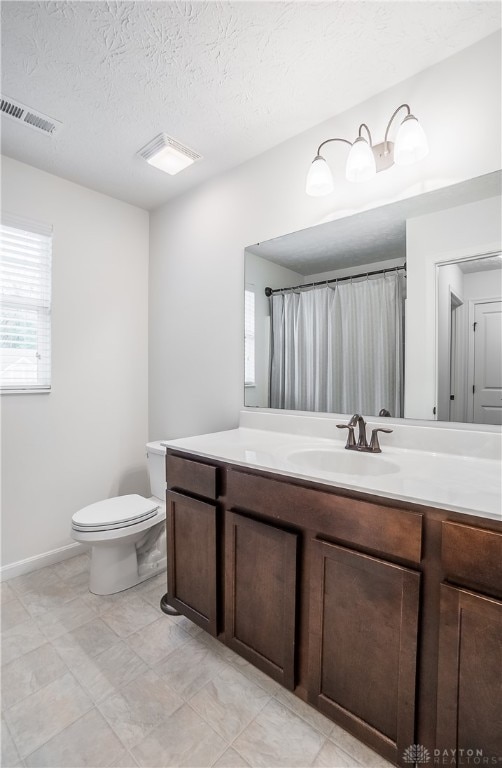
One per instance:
[(25, 305), (249, 338)]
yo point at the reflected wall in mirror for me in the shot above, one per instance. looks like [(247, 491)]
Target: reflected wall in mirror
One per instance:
[(348, 323), (469, 340)]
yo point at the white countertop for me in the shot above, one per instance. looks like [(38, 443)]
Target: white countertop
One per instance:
[(458, 483)]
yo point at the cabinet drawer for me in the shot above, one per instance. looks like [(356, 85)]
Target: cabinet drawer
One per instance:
[(386, 530), (472, 556), (191, 476)]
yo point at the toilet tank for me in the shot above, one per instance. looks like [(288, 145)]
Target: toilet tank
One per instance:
[(156, 456)]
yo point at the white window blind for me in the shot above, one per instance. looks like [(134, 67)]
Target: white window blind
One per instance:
[(25, 305), (249, 338)]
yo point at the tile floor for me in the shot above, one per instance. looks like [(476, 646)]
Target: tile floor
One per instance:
[(112, 681)]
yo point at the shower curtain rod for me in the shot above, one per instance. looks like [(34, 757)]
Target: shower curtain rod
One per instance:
[(270, 291)]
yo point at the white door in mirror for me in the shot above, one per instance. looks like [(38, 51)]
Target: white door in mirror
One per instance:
[(488, 363)]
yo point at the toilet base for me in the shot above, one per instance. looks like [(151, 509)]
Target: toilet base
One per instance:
[(114, 568)]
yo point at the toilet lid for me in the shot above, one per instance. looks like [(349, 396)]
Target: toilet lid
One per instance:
[(115, 513)]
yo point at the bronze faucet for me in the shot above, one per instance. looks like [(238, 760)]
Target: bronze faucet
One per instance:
[(362, 442)]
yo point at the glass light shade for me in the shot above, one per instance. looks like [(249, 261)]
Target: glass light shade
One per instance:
[(170, 160), (319, 178), (411, 142), (361, 164)]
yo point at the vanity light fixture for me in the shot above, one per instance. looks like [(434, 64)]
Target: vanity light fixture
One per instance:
[(168, 155), (366, 159)]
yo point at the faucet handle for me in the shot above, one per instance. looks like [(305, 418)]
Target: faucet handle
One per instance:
[(351, 440), (374, 444)]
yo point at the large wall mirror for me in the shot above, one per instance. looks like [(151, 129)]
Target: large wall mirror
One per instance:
[(394, 311)]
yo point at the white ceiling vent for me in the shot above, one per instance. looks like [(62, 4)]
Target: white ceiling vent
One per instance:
[(168, 155), (30, 117)]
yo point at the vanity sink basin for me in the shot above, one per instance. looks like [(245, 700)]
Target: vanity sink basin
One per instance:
[(342, 462)]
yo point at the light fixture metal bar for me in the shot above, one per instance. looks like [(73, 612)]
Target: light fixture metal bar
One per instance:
[(363, 125), (401, 106), (345, 141)]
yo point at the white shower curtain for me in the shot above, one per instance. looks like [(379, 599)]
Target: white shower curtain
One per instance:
[(339, 348)]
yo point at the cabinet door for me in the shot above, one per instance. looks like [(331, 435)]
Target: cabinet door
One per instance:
[(192, 559), (260, 595), (364, 624), (470, 676)]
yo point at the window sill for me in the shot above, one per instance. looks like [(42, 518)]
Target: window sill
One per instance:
[(25, 391)]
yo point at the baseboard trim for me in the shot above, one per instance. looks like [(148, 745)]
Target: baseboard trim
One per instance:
[(40, 561)]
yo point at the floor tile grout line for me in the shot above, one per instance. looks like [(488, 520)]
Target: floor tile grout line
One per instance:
[(101, 699), (230, 660), (6, 724), (117, 690), (82, 714), (290, 708), (346, 752), (150, 730), (227, 742), (134, 632), (273, 697), (67, 669), (232, 742), (232, 746), (319, 751)]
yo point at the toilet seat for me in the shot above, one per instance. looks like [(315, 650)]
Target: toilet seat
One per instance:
[(115, 513)]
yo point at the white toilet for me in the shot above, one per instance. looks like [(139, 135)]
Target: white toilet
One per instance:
[(127, 533)]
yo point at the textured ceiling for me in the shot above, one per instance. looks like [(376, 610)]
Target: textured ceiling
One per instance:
[(375, 235), (229, 79)]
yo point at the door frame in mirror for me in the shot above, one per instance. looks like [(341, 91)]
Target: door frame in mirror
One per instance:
[(469, 357)]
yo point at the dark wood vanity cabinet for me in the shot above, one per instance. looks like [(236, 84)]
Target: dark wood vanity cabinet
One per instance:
[(469, 702), (385, 616), (363, 645), (193, 521), (192, 559), (260, 595)]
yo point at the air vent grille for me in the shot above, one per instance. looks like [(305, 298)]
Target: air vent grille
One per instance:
[(163, 140), (29, 117)]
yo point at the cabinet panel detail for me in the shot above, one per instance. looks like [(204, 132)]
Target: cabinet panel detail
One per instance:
[(192, 559), (364, 627), (191, 476), (472, 556), (394, 532), (469, 702), (260, 595)]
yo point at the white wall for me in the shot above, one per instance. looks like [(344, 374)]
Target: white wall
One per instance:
[(85, 440), (197, 241), (486, 284), (467, 230), (261, 273)]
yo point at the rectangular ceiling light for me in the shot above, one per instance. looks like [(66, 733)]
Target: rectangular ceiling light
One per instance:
[(168, 155)]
